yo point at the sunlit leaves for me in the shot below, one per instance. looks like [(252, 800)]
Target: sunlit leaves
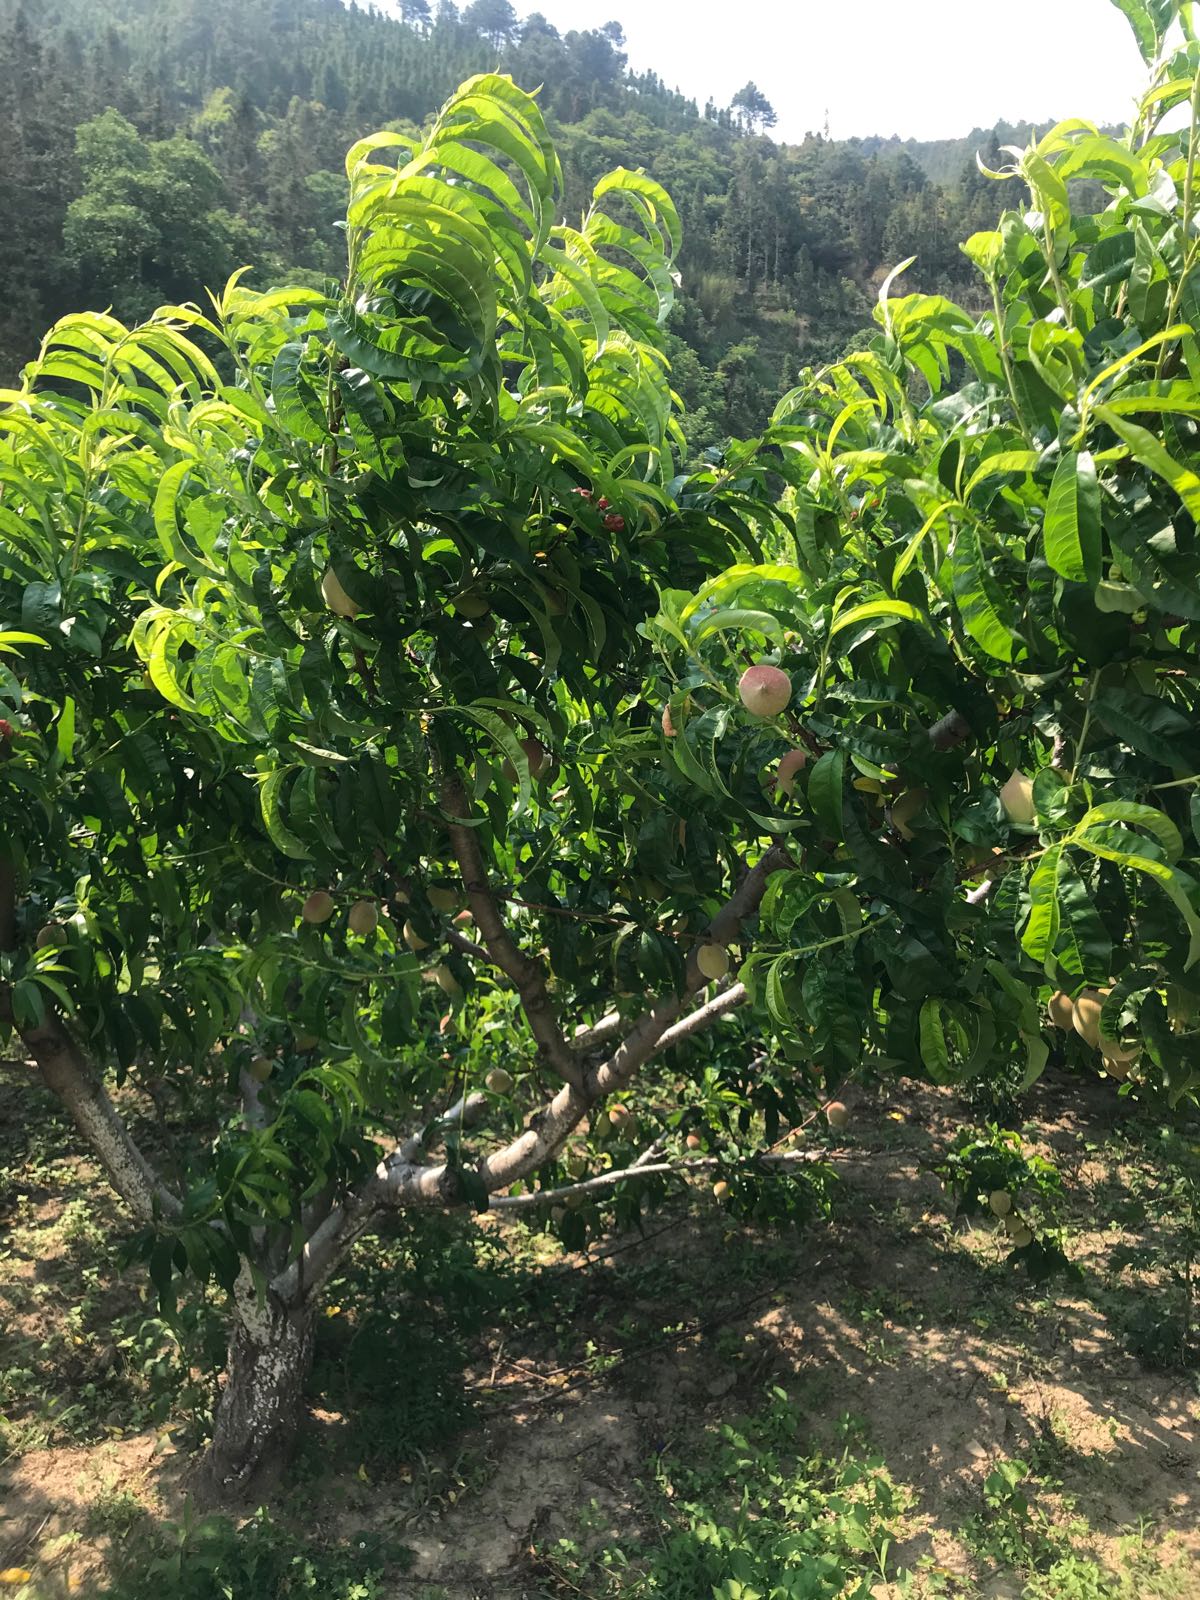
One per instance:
[(1034, 530), (1072, 523)]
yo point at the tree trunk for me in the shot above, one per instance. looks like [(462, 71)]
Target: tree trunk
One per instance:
[(262, 1403)]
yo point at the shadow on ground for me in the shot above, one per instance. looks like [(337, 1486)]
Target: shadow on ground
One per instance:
[(478, 1394)]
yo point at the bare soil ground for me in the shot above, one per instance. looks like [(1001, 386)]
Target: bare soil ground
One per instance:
[(894, 1312)]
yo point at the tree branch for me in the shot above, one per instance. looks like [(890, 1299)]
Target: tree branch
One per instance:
[(8, 905), (66, 1071), (587, 1038), (677, 1169), (696, 1021), (465, 946), (402, 1181), (526, 974), (466, 1112), (399, 1179), (69, 1075), (725, 1000), (550, 1127), (253, 1110), (952, 729), (643, 1039)]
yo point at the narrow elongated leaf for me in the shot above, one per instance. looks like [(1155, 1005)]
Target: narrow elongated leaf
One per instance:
[(1139, 20), (1114, 844), (825, 791), (1137, 816), (1148, 725), (1072, 526), (270, 799), (935, 1052), (1084, 948), (900, 609), (1150, 451), (978, 597), (1041, 930)]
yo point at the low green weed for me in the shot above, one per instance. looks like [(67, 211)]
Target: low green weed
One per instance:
[(214, 1558), (752, 1512)]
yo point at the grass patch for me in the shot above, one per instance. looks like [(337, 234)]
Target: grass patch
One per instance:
[(751, 1512)]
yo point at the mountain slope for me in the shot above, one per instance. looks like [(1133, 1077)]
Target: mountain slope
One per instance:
[(158, 144)]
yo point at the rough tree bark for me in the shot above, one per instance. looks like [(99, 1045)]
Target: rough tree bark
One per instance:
[(261, 1406)]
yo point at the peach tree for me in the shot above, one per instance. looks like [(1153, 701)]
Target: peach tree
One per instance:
[(969, 675), (334, 815)]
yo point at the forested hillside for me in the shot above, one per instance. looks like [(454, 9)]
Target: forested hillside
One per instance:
[(153, 146)]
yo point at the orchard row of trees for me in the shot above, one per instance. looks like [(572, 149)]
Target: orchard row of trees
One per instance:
[(154, 148)]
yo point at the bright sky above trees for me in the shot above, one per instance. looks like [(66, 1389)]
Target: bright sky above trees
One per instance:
[(877, 67)]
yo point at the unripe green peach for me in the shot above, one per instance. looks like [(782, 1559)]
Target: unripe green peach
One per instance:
[(498, 1081), (363, 918), (472, 604), (713, 961), (335, 596), (1061, 1010), (1017, 798), (319, 907)]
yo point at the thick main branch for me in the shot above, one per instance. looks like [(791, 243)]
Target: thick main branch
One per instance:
[(402, 1180), (550, 1127)]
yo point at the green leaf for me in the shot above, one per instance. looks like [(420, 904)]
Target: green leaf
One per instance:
[(1138, 816), (1041, 930), (10, 639), (1084, 948), (935, 1052), (1128, 851), (899, 609), (1152, 454), (1072, 526), (1110, 261), (741, 621), (270, 800), (1139, 20), (825, 791), (1148, 725), (978, 598)]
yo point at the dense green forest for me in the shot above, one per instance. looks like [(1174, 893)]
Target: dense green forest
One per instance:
[(153, 148)]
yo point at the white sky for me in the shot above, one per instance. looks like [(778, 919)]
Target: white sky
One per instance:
[(925, 69)]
